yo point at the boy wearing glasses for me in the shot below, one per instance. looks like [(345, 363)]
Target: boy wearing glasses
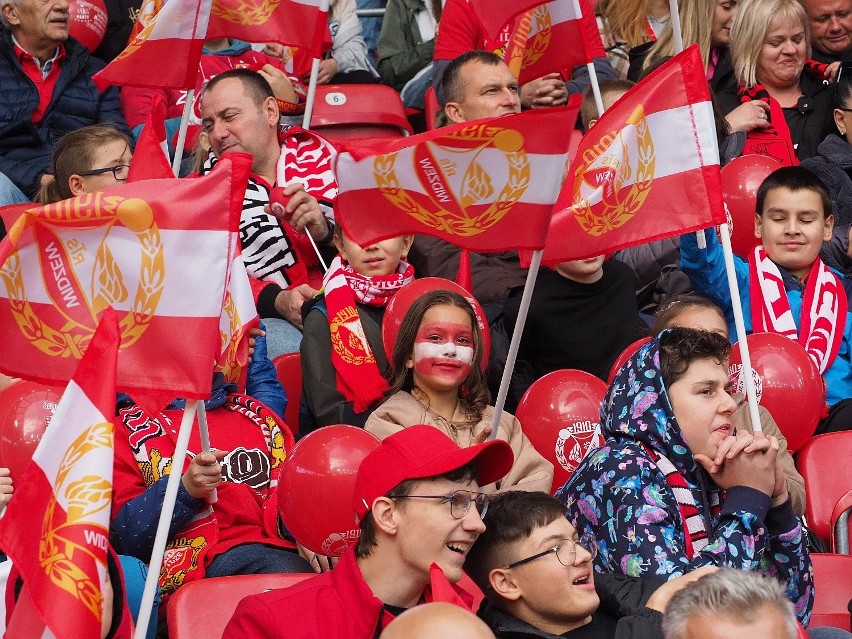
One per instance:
[(418, 504), (539, 581)]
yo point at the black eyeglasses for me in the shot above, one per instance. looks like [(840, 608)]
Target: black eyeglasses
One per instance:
[(459, 502), (565, 551), (119, 172)]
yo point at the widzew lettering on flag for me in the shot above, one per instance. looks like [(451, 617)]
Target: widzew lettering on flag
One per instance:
[(487, 185), (551, 37), (648, 168), (178, 32), (56, 528), (157, 251)]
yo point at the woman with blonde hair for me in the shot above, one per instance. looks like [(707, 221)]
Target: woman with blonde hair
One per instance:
[(625, 24), (777, 81)]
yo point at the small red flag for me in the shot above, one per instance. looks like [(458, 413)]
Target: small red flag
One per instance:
[(648, 169), (487, 185), (151, 155)]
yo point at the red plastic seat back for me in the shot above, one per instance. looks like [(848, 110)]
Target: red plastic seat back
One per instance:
[(833, 587), (354, 111), (201, 609), (824, 464), (289, 370)]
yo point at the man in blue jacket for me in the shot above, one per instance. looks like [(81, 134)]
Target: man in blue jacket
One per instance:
[(47, 92)]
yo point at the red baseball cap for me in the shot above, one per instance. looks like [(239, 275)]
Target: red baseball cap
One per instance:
[(419, 452)]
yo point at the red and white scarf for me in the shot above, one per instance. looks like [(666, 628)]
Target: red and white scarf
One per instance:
[(824, 308), (358, 376), (695, 533)]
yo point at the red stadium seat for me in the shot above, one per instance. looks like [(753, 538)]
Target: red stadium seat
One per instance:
[(833, 588), (823, 462), (840, 528), (201, 609), (354, 111), (289, 370)]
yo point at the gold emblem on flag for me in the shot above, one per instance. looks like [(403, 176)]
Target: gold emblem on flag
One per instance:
[(137, 42), (538, 44), (465, 204), (229, 363), (244, 12), (348, 338), (67, 562), (613, 170), (64, 273)]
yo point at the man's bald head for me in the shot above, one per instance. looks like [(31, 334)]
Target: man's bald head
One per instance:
[(430, 620)]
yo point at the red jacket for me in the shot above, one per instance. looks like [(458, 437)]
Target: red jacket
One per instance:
[(335, 604)]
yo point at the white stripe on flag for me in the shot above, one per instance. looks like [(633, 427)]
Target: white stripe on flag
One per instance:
[(560, 11), (355, 175), (189, 256)]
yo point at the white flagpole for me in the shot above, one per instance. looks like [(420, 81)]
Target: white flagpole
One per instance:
[(184, 122), (532, 274), (161, 538), (312, 85), (204, 435), (674, 17), (739, 323), (593, 75)]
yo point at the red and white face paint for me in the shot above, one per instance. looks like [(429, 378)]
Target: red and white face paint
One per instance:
[(443, 349)]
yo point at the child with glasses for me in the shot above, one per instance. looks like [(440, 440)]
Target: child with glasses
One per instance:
[(420, 509), (537, 574), (90, 159), (437, 379)]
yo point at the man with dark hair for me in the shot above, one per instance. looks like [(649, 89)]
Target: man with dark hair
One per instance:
[(48, 91), (418, 503), (478, 84), (240, 113), (539, 581)]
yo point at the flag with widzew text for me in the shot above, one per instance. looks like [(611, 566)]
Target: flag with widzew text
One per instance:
[(56, 527), (647, 169), (156, 251), (486, 185)]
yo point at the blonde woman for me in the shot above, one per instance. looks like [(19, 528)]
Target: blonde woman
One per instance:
[(625, 24)]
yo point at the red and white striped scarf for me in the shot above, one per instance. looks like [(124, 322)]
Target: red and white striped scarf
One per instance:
[(358, 375), (824, 307)]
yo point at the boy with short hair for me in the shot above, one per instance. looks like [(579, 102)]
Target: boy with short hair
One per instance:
[(539, 580), (784, 286), (418, 502)]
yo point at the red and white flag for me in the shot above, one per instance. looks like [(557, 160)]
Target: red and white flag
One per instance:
[(239, 314), (648, 168), (147, 10), (56, 528), (151, 155), (495, 14), (167, 52), (487, 185), (551, 37), (157, 251)]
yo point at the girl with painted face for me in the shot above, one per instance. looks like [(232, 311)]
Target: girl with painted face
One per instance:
[(437, 379)]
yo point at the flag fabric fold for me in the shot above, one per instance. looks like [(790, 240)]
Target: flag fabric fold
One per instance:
[(56, 528), (151, 155), (648, 168), (157, 251), (167, 52), (551, 37), (495, 14), (487, 185)]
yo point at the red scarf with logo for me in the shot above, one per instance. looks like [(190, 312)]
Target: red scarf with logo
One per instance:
[(358, 376), (824, 307)]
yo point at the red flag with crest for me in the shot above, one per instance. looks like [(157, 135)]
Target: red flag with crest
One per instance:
[(56, 528), (177, 34), (487, 185), (648, 168), (157, 251), (551, 37)]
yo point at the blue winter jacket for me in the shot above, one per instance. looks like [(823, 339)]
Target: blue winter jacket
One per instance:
[(706, 270), (620, 495), (26, 149)]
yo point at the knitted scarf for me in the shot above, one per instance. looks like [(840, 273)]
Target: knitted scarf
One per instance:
[(824, 307), (358, 376)]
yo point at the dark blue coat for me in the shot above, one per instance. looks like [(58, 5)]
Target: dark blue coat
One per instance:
[(26, 150)]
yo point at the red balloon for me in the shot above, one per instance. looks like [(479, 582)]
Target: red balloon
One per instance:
[(626, 354), (88, 22), (560, 414), (26, 409), (317, 484), (788, 384), (740, 180), (404, 298)]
